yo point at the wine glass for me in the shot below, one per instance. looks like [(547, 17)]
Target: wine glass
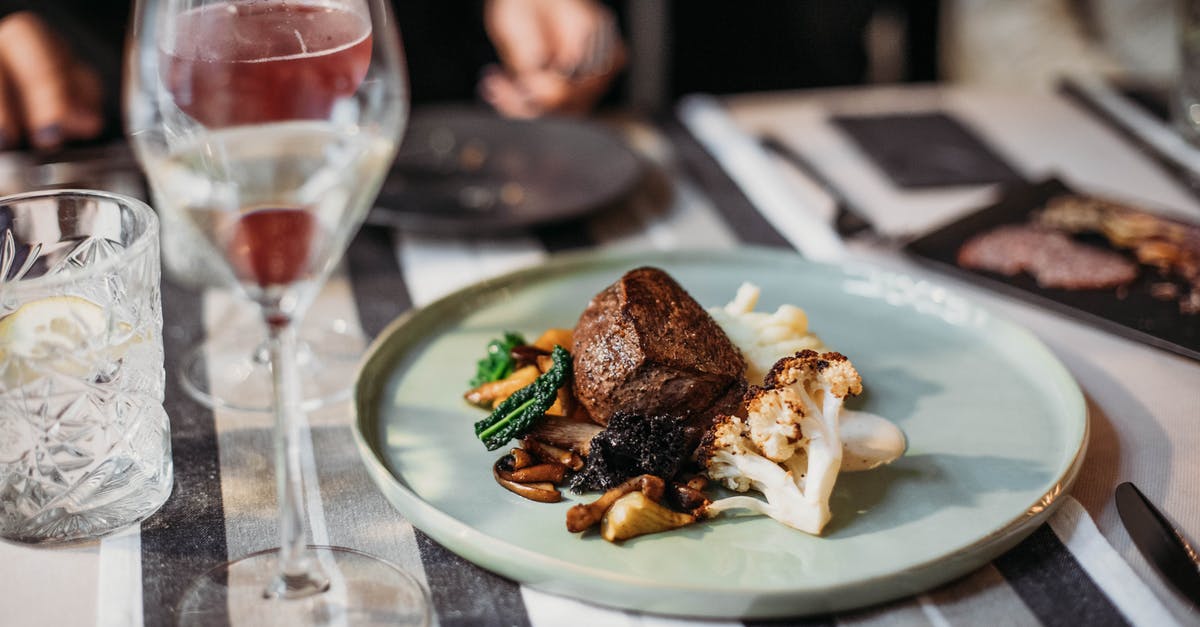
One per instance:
[(265, 128), (229, 368)]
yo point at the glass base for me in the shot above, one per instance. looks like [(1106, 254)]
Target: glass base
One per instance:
[(233, 371), (362, 590), (60, 525)]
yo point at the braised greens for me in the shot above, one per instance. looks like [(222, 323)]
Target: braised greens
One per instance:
[(499, 362), (517, 414)]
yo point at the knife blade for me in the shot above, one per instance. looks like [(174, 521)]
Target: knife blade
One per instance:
[(848, 219), (1158, 541)]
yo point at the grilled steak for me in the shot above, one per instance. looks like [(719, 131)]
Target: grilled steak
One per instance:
[(645, 346), (1054, 259)]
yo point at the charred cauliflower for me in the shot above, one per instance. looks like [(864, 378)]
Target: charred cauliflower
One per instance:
[(788, 447)]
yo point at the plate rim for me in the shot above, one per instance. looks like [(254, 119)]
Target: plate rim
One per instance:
[(499, 556)]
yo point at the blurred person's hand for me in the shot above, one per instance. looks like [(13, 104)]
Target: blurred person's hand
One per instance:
[(46, 95), (557, 56)]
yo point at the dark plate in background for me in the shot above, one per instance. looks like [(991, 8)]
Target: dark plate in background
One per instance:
[(468, 171), (1133, 312)]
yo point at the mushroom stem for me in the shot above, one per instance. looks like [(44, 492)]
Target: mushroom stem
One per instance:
[(583, 516), (688, 498), (566, 433), (541, 492), (520, 459), (549, 453), (550, 472)]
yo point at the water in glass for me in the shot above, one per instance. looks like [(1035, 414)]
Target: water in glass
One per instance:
[(84, 439)]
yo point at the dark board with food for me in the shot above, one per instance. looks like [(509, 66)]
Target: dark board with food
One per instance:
[(1112, 264)]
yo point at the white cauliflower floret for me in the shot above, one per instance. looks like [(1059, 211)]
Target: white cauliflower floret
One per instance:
[(773, 422), (763, 337), (724, 442), (788, 447)]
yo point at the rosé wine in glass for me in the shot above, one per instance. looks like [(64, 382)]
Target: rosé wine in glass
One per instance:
[(247, 63), (265, 128)]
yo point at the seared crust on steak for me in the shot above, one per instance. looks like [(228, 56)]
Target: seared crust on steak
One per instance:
[(645, 346)]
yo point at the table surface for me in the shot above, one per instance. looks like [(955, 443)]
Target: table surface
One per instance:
[(1081, 568)]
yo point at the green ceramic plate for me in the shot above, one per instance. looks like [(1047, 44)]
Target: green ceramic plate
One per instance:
[(996, 431)]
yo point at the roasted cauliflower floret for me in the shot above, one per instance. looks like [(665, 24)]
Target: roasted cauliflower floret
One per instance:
[(721, 451), (771, 420), (817, 372), (788, 447)]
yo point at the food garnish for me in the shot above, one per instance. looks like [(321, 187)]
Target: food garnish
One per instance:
[(517, 473), (764, 337), (689, 497), (550, 472), (789, 446), (570, 434), (630, 509), (647, 399), (517, 414), (583, 516), (61, 334), (633, 445), (492, 393), (635, 515), (498, 363), (540, 492), (554, 337), (550, 453)]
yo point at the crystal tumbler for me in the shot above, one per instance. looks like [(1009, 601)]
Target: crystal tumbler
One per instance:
[(85, 443)]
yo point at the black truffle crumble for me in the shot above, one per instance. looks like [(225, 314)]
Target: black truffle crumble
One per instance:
[(633, 445)]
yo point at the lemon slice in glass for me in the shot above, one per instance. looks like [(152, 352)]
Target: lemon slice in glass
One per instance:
[(49, 334)]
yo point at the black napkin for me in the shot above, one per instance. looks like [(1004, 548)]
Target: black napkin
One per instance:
[(917, 150)]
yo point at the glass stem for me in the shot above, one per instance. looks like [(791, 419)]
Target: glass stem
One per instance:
[(299, 574)]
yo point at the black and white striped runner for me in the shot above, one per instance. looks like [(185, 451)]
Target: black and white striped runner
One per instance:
[(1065, 573)]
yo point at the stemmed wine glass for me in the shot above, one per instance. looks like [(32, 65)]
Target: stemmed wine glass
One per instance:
[(231, 369), (265, 128)]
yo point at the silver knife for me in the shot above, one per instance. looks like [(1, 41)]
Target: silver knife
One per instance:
[(848, 219), (1159, 542)]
